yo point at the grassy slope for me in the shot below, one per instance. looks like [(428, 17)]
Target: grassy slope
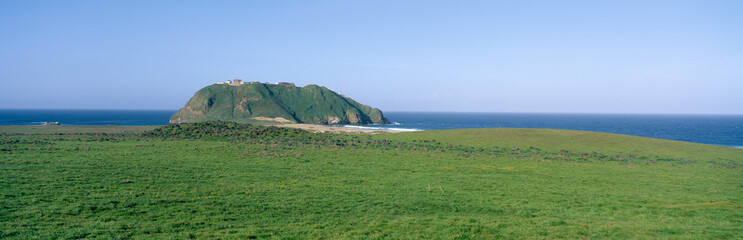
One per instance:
[(90, 186), (577, 141), (312, 104), (52, 129)]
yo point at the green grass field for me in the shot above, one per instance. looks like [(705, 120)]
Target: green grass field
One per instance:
[(67, 129), (222, 180)]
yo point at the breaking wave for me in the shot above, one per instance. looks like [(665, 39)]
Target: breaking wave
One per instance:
[(380, 128)]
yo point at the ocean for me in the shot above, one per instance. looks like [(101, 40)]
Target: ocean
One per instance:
[(724, 130), (85, 117)]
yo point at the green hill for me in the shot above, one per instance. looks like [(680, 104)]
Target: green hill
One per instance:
[(252, 102)]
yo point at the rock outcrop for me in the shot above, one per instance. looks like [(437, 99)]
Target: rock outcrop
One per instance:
[(250, 101)]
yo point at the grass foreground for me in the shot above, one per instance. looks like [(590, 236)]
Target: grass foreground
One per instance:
[(226, 180)]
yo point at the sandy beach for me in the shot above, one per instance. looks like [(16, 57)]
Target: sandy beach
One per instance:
[(282, 122), (328, 129)]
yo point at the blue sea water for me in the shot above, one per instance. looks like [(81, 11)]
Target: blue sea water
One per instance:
[(725, 130), (85, 117)]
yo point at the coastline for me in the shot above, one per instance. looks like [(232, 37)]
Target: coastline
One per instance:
[(721, 130), (328, 129), (65, 129), (45, 129), (316, 128)]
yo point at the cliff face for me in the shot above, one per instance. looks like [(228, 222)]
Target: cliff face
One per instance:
[(248, 102)]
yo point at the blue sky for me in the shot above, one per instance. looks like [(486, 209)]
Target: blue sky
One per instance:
[(464, 56)]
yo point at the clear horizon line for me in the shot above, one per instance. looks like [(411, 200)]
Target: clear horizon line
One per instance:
[(626, 113), (406, 111)]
